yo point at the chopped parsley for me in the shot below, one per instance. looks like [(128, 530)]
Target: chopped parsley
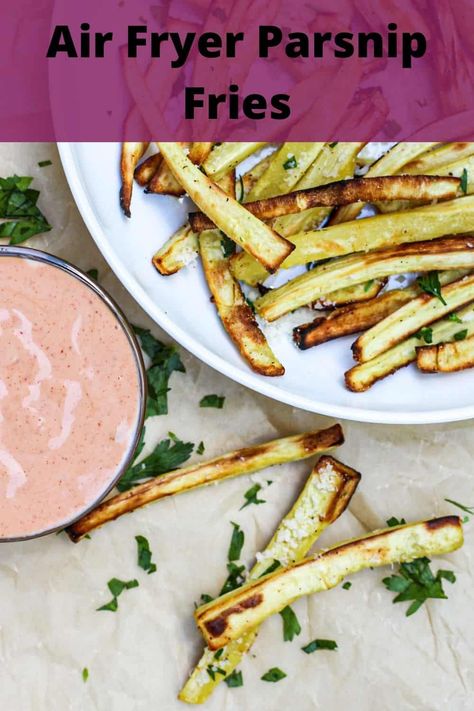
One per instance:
[(425, 334), (291, 625), (235, 573), (333, 145), (320, 644), (460, 335), (290, 163), (205, 598), (464, 181), (93, 273), (164, 361), (250, 303), (251, 496), (18, 207), (271, 568), (228, 245), (212, 670), (200, 448), (273, 674), (454, 317), (347, 586), (236, 542), (395, 522), (166, 456), (216, 401), (44, 163), (417, 583), (234, 679), (85, 674), (144, 555), (430, 284), (368, 285), (116, 588)]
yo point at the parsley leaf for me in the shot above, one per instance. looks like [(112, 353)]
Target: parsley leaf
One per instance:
[(454, 317), (251, 496), (228, 245), (347, 586), (212, 401), (273, 674), (333, 145), (116, 588), (234, 679), (430, 284), (320, 644), (290, 163), (85, 674), (291, 625), (144, 555), (93, 273), (165, 457), (425, 334), (235, 573), (417, 583), (464, 181), (164, 361), (205, 598), (395, 522), (44, 163), (460, 335), (236, 542), (200, 448), (18, 206), (368, 285), (212, 670)]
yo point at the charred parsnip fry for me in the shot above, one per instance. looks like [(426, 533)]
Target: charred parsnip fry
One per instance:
[(411, 317), (439, 157), (232, 615), (357, 317), (177, 252), (389, 164), (446, 357), (345, 192), (236, 315), (164, 181), (240, 461), (441, 254), (229, 216), (325, 496), (199, 152), (362, 377), (147, 169), (131, 154), (287, 167), (227, 156), (377, 232)]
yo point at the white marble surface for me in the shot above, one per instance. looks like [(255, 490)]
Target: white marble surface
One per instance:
[(138, 657)]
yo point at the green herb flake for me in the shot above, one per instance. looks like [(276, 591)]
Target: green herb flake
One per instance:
[(251, 496), (368, 285), (18, 207), (116, 588), (461, 335), (290, 163), (316, 644), (271, 568), (417, 583), (395, 522), (228, 245), (291, 625), (236, 543), (425, 334), (200, 448), (93, 274), (144, 555), (212, 670), (216, 401), (250, 303), (85, 674), (347, 586), (333, 145), (467, 509), (164, 361), (205, 598), (234, 679), (464, 181), (44, 163), (235, 573), (431, 285), (166, 456), (454, 317), (274, 674)]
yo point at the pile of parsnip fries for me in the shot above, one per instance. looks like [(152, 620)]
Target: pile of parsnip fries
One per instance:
[(298, 206)]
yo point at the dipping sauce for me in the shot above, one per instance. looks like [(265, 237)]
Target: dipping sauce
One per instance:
[(70, 397)]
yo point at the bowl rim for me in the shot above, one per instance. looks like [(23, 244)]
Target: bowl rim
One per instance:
[(104, 296)]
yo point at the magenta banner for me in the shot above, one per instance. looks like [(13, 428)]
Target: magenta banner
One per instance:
[(247, 69)]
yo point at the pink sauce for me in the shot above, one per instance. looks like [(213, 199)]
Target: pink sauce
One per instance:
[(69, 397)]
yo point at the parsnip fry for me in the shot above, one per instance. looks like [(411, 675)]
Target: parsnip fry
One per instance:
[(249, 178), (410, 318), (442, 254), (287, 167), (325, 496), (164, 181), (351, 294), (438, 158), (229, 216), (235, 313), (362, 377), (177, 252), (232, 615), (389, 164), (357, 317), (345, 192), (377, 232), (199, 152), (447, 357), (147, 169), (227, 156), (130, 155), (241, 461)]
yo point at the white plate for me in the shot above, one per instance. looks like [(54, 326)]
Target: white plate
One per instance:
[(180, 304)]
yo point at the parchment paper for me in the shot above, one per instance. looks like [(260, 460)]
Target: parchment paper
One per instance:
[(139, 656)]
